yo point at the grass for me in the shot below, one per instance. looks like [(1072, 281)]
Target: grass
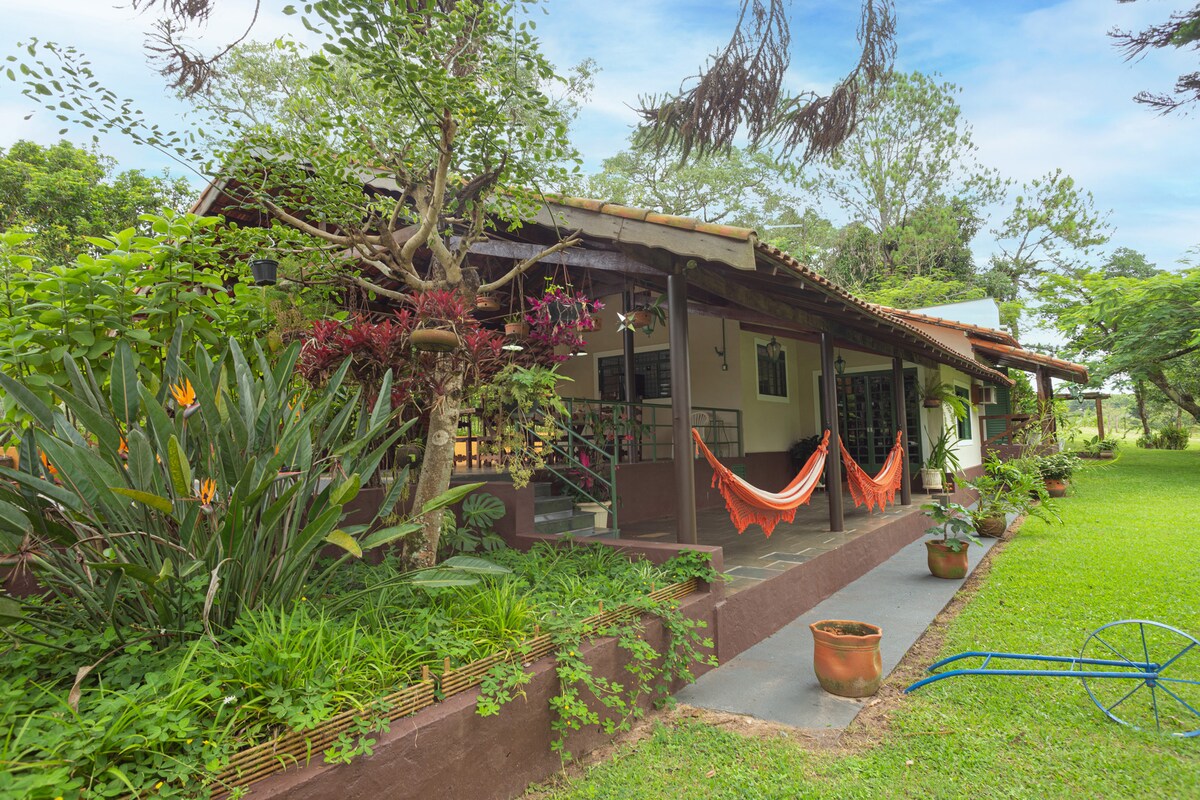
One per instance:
[(1128, 548)]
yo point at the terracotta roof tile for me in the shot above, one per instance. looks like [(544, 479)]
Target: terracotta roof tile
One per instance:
[(1067, 370), (871, 309), (687, 223), (999, 336)]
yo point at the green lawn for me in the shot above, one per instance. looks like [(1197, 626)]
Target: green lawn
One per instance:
[(1129, 548)]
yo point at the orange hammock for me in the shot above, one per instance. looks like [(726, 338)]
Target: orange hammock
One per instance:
[(748, 505), (880, 490)]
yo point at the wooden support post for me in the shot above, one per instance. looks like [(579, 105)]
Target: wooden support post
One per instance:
[(833, 462), (630, 376), (681, 410), (1045, 392), (902, 423), (1100, 417)]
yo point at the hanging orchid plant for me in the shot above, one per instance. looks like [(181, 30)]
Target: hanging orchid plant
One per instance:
[(560, 317)]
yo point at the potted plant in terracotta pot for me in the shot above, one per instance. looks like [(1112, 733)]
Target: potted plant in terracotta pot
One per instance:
[(846, 656), (515, 326), (644, 317), (947, 557), (1056, 471), (440, 314), (1004, 492), (937, 394)]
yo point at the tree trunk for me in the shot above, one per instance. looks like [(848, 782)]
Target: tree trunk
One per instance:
[(1184, 400), (1139, 394), (439, 457)]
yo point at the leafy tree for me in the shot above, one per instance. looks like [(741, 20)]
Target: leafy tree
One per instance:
[(1052, 226), (909, 175), (736, 186), (1181, 30), (62, 193), (1144, 327)]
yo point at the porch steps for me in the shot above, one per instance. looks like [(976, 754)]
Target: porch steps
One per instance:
[(557, 515)]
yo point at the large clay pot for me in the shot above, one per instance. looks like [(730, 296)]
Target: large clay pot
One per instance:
[(1056, 488), (944, 562), (435, 340), (993, 526), (846, 656)]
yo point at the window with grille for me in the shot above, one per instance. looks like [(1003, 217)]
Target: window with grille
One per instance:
[(651, 375), (964, 425), (772, 373)]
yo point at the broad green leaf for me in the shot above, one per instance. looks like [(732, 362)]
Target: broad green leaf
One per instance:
[(386, 535), (434, 578), (346, 491), (450, 497), (146, 498), (58, 494), (29, 402), (13, 518), (345, 541), (136, 571), (123, 388), (475, 565), (11, 612), (177, 465)]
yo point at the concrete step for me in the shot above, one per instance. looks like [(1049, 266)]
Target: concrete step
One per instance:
[(574, 523), (542, 488), (550, 505)]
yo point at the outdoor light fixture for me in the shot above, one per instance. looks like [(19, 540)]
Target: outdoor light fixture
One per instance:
[(839, 365), (580, 353), (774, 349), (723, 349)]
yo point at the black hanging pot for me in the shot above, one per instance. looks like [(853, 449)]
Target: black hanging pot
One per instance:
[(264, 271), (564, 312)]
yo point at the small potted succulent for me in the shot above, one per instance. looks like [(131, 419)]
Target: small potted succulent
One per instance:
[(947, 557), (1056, 470)]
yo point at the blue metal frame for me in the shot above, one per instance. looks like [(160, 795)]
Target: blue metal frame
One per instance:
[(1147, 671)]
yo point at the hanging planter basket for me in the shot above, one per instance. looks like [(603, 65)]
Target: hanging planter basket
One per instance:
[(435, 340), (264, 271), (485, 302), (516, 330), (563, 312)]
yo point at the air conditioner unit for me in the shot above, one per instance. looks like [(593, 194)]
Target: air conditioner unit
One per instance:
[(983, 395)]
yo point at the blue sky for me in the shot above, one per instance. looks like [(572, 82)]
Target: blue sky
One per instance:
[(1041, 84)]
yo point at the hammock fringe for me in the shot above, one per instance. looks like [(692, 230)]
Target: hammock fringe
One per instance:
[(881, 489), (748, 505)]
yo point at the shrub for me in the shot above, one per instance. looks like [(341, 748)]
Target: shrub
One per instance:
[(160, 517)]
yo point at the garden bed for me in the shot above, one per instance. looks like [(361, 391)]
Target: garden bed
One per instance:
[(312, 683)]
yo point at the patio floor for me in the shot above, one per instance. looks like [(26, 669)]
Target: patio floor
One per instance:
[(752, 557)]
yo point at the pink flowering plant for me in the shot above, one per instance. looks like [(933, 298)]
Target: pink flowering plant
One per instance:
[(560, 317)]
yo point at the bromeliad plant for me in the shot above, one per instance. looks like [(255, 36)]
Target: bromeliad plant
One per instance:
[(162, 515)]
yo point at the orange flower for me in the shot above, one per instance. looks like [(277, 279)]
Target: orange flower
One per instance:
[(185, 397), (184, 393), (49, 467), (123, 448), (208, 492)]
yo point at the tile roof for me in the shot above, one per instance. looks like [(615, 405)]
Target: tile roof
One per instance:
[(1019, 357), (992, 334), (654, 217)]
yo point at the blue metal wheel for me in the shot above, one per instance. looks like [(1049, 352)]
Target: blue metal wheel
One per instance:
[(1167, 699)]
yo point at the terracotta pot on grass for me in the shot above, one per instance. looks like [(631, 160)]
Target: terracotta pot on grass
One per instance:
[(1056, 488), (846, 656), (944, 562)]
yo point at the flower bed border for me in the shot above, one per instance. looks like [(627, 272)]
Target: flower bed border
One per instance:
[(298, 748)]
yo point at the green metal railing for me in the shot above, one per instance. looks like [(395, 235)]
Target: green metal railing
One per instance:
[(584, 447), (635, 432)]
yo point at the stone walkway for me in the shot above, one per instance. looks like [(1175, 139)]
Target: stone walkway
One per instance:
[(774, 680)]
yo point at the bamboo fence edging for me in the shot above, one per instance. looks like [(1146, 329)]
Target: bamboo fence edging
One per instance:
[(297, 748)]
